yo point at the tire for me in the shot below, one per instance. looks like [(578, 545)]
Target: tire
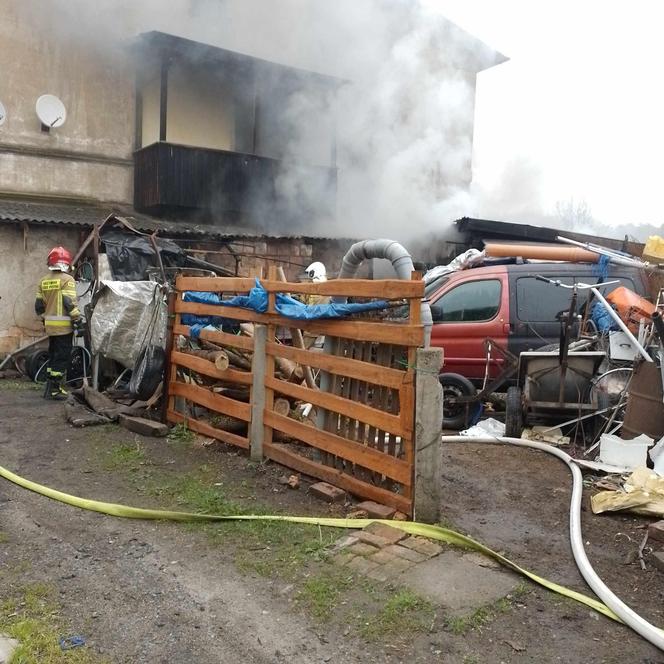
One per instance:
[(79, 366), (148, 372), (34, 362), (455, 385), (514, 412)]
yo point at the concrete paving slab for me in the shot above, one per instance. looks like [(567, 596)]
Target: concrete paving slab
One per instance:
[(7, 647), (457, 582)]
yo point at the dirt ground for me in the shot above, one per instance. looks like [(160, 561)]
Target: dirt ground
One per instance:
[(165, 592)]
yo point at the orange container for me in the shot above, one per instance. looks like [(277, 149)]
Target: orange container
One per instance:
[(631, 308)]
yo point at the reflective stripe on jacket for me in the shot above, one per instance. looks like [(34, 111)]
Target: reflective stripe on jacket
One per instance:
[(56, 301)]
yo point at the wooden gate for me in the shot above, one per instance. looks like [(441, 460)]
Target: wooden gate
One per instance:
[(362, 436)]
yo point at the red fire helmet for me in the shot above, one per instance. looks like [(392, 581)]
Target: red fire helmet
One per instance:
[(58, 255)]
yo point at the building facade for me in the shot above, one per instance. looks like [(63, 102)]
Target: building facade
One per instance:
[(199, 142)]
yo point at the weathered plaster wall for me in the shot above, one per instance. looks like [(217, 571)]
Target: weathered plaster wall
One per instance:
[(97, 89), (51, 177), (22, 264)]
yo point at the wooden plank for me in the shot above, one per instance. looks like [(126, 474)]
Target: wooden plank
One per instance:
[(339, 404), (347, 449), (216, 402), (384, 289), (209, 430), (207, 368), (269, 360), (215, 284), (221, 338), (340, 365), (334, 476), (360, 330)]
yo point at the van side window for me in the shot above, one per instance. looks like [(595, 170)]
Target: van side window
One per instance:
[(539, 302), (473, 301)]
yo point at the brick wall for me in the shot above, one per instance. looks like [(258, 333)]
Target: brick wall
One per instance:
[(247, 255)]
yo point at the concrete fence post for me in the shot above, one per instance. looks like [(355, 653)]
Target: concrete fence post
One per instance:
[(428, 443), (257, 428)]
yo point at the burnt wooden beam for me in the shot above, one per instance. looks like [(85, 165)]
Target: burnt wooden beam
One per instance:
[(138, 122), (163, 98)]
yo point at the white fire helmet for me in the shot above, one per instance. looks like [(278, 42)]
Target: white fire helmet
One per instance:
[(316, 272)]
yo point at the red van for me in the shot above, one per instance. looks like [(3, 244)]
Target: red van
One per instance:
[(506, 303)]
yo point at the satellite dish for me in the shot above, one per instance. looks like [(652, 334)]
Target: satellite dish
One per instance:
[(3, 114), (51, 111)]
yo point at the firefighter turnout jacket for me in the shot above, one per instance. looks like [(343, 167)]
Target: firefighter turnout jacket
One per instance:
[(56, 302)]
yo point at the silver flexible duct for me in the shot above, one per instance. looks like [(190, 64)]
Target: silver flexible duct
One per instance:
[(640, 625), (401, 261)]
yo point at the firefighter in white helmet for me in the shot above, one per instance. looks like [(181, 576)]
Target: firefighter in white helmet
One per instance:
[(316, 273)]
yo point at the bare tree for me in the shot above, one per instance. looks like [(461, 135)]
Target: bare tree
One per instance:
[(575, 215)]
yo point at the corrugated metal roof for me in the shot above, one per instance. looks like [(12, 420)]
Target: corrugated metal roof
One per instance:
[(83, 215)]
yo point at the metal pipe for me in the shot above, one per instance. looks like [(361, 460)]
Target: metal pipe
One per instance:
[(640, 625), (614, 257), (634, 341)]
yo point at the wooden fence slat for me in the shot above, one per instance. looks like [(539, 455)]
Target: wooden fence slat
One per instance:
[(207, 368), (209, 430), (347, 449), (221, 338), (385, 289), (353, 409), (360, 330), (216, 402), (215, 284), (282, 455), (343, 366)]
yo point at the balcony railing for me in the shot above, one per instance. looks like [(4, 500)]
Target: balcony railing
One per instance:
[(172, 177)]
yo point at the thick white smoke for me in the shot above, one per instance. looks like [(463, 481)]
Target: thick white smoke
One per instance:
[(404, 119)]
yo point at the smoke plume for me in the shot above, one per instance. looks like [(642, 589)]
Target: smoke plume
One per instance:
[(402, 114)]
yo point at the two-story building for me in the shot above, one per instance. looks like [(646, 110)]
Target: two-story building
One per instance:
[(203, 143)]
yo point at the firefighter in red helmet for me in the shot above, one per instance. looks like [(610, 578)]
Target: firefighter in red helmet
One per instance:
[(56, 304)]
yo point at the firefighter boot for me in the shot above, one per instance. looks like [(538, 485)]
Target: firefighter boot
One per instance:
[(49, 386), (57, 390)]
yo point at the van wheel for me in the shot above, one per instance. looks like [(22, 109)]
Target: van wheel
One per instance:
[(514, 412), (455, 386)]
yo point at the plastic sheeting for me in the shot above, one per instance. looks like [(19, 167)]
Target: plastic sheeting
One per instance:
[(124, 320), (131, 255), (463, 261), (602, 318), (287, 306)]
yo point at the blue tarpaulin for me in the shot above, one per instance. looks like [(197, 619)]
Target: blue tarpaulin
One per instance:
[(285, 304), (602, 318)]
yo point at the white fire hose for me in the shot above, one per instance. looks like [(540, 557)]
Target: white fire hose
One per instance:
[(641, 626)]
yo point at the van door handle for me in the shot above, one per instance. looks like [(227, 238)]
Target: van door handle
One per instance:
[(507, 328)]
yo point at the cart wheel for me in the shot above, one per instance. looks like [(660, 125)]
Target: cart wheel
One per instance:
[(455, 385), (513, 413)]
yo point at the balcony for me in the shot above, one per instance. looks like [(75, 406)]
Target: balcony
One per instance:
[(178, 178)]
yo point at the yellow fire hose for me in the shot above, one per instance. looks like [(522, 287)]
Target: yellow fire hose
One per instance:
[(413, 528)]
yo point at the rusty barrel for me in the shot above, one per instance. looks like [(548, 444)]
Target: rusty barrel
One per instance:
[(645, 410)]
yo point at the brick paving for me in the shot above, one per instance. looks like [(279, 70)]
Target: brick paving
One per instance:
[(382, 552)]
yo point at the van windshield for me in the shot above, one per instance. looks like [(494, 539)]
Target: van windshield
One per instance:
[(432, 287)]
